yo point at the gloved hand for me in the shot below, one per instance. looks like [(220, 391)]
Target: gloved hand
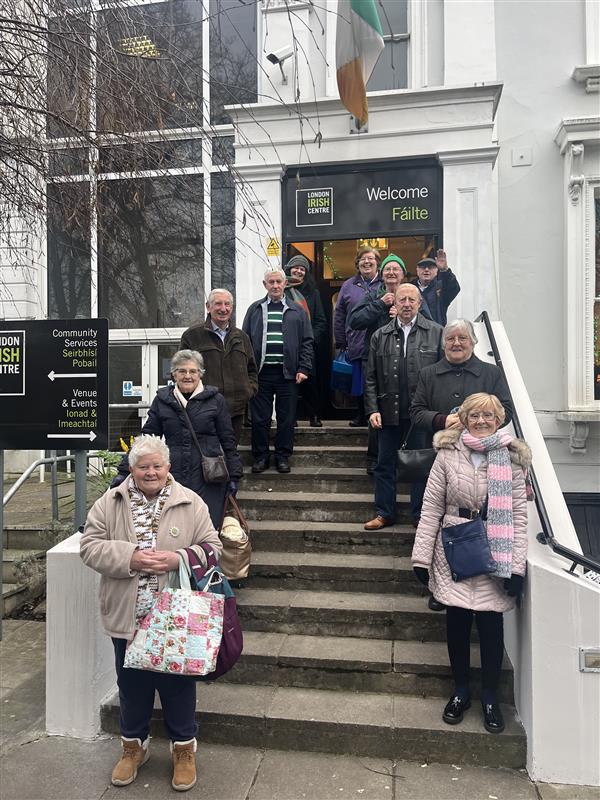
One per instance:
[(422, 575), (232, 488), (513, 585)]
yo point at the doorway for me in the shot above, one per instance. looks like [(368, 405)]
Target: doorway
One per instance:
[(333, 263)]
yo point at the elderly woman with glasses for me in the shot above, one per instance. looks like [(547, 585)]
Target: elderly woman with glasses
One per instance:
[(188, 406), (475, 463)]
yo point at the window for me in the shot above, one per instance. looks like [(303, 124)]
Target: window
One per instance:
[(391, 71)]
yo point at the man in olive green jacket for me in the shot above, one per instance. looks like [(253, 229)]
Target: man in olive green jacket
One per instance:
[(228, 356)]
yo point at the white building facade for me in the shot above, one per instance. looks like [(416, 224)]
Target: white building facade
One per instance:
[(485, 115)]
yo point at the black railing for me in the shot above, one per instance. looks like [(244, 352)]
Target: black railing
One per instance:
[(545, 536)]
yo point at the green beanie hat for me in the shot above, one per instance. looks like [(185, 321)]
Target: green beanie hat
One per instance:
[(393, 258)]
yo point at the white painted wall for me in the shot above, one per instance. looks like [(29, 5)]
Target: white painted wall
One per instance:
[(80, 670), (559, 705)]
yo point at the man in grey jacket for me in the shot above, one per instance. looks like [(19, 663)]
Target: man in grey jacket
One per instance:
[(397, 354)]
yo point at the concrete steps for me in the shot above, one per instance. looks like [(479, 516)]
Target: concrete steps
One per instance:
[(312, 479), (333, 572), (14, 595), (362, 665), (12, 558), (356, 614), (311, 506), (357, 723), (302, 536), (305, 456), (325, 437)]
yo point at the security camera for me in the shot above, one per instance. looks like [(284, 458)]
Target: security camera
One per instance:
[(279, 56)]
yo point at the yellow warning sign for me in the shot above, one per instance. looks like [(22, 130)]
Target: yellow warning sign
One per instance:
[(273, 247)]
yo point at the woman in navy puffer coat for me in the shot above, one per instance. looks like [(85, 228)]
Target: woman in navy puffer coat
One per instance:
[(210, 419)]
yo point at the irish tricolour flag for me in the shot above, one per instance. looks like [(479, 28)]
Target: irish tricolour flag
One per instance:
[(359, 41)]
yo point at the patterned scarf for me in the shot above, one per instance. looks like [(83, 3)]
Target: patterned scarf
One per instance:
[(146, 514), (499, 528)]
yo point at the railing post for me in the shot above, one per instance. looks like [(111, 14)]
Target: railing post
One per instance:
[(80, 487), (54, 484)]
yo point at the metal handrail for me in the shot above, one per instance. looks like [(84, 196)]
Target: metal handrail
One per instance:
[(545, 536), (31, 469)]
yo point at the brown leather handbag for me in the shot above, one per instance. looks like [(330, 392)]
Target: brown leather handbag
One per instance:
[(235, 537)]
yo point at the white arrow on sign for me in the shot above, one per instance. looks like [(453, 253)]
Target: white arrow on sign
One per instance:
[(91, 436), (52, 375)]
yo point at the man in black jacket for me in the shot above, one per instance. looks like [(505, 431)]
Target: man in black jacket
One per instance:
[(397, 354), (282, 341), (228, 357)]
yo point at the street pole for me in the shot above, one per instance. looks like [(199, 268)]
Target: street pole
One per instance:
[(80, 487)]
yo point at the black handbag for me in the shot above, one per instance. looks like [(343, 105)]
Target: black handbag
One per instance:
[(467, 548), (214, 468), (414, 465)]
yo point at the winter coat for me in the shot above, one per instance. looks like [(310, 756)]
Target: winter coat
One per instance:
[(229, 365), (438, 295), (368, 315), (444, 386), (297, 336), (352, 292), (382, 381), (109, 540), (212, 425), (317, 317), (454, 482)]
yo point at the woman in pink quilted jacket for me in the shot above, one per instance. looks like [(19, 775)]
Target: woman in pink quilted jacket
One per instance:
[(473, 462)]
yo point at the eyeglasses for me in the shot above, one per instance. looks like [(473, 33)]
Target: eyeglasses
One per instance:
[(488, 416), (187, 371), (460, 339)]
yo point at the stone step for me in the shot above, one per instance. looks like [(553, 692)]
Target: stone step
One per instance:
[(316, 478), (336, 435), (365, 665), (356, 614), (14, 595), (30, 561), (333, 572), (339, 537), (313, 506), (332, 456), (357, 723), (19, 537)]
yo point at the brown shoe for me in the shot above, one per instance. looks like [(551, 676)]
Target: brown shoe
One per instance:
[(378, 523), (184, 765), (135, 753)]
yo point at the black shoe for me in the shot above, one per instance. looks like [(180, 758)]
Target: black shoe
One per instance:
[(315, 422), (358, 422), (435, 605), (493, 721), (455, 708), (283, 465), (260, 465)]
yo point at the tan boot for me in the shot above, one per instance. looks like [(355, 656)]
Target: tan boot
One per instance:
[(184, 765), (135, 753)]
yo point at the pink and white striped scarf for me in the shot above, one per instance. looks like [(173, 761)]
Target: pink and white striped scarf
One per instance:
[(499, 526)]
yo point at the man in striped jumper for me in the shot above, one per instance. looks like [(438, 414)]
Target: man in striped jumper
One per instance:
[(282, 341)]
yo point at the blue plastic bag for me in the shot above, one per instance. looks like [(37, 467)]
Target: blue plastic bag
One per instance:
[(341, 373)]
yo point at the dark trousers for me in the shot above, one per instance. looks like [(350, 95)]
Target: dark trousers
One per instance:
[(136, 697), (490, 626), (237, 422), (309, 392), (390, 439), (271, 383)]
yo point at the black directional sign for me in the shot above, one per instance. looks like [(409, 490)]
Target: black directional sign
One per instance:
[(54, 384)]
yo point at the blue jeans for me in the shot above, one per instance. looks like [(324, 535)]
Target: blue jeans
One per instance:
[(390, 440)]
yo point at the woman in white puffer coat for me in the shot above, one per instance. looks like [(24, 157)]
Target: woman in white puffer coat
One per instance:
[(471, 464)]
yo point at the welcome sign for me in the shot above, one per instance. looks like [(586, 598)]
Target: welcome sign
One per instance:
[(352, 201)]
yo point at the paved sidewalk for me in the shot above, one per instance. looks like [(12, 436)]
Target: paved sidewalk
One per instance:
[(37, 767)]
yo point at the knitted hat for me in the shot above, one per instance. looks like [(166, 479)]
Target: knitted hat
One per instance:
[(393, 259), (298, 261), (427, 262)]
